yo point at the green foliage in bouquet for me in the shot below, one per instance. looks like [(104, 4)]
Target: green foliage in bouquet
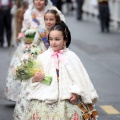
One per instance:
[(27, 69), (30, 35)]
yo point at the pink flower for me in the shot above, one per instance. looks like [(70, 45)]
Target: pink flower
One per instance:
[(33, 27), (21, 35)]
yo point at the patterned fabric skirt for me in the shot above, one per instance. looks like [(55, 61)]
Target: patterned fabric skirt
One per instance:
[(21, 102), (62, 110), (12, 86)]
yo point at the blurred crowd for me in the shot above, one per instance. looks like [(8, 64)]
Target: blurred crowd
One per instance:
[(11, 17), (12, 12)]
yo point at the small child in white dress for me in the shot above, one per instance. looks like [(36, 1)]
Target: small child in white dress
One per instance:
[(69, 81)]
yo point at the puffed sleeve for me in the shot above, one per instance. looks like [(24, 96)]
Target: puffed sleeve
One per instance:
[(37, 38), (82, 84)]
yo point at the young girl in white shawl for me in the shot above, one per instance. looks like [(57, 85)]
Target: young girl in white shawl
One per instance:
[(69, 81), (51, 18)]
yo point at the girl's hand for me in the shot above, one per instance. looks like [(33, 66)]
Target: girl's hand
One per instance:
[(73, 98), (38, 77)]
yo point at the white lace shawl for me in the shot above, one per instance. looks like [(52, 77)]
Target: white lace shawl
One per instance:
[(27, 22)]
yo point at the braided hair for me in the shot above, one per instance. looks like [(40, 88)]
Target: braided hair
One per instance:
[(55, 13)]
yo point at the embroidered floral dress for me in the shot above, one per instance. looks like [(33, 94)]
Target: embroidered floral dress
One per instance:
[(60, 110), (21, 103), (13, 86), (68, 76), (63, 110)]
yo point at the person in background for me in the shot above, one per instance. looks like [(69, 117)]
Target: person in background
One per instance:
[(104, 15), (38, 8), (19, 2), (14, 12), (59, 4), (20, 16), (15, 7), (5, 21), (70, 6), (51, 17), (54, 2), (79, 9)]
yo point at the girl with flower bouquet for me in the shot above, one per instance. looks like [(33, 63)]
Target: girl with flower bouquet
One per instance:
[(12, 87), (70, 81), (51, 18), (38, 8)]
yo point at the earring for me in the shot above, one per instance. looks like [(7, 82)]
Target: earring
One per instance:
[(64, 46)]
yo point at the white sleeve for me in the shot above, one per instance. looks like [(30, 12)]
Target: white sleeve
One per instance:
[(26, 21), (82, 84), (13, 10), (36, 39)]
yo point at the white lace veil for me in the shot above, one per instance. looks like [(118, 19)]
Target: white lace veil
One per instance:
[(47, 7), (31, 5), (62, 17), (31, 8)]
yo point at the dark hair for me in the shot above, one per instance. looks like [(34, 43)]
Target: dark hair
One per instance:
[(65, 31), (25, 4), (54, 12), (46, 2)]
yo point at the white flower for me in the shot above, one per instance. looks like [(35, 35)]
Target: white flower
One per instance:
[(30, 31), (25, 57)]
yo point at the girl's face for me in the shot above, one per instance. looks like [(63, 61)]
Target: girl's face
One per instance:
[(39, 4), (56, 40), (50, 20)]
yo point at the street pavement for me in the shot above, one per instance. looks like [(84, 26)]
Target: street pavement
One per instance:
[(100, 54)]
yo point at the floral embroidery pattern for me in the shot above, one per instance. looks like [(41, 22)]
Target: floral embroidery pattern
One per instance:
[(63, 110)]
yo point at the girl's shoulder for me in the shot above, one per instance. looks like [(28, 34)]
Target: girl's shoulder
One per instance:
[(73, 58), (71, 54)]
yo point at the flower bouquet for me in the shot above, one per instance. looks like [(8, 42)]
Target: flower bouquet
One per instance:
[(32, 50), (28, 68), (29, 35)]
